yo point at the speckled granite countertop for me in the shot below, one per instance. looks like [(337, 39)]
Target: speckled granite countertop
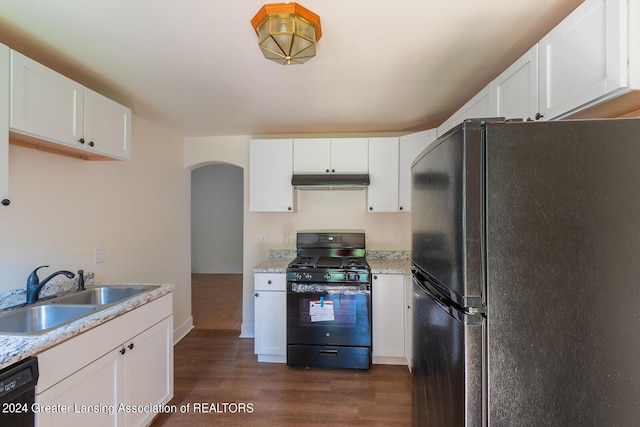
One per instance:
[(14, 348), (381, 262), (390, 266)]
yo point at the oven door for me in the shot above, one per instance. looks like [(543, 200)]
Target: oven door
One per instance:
[(327, 324)]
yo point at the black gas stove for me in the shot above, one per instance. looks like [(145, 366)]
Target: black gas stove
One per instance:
[(329, 302)]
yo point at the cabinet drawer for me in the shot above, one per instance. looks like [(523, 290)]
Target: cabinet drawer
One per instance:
[(270, 282)]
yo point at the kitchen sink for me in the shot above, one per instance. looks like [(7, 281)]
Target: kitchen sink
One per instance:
[(38, 319), (102, 295)]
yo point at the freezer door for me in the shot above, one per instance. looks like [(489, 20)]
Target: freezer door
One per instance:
[(447, 211), (563, 273), (447, 356)]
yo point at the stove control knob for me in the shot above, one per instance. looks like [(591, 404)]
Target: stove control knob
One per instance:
[(307, 276), (297, 276), (327, 276)]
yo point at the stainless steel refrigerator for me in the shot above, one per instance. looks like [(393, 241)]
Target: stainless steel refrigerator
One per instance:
[(526, 258)]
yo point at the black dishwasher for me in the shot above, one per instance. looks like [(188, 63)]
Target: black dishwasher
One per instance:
[(17, 393)]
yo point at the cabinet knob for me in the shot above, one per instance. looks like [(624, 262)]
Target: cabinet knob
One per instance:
[(375, 277), (269, 282), (333, 170), (539, 116), (81, 140), (130, 346), (6, 202), (289, 208), (256, 294), (326, 170), (370, 208), (91, 144), (123, 350), (400, 207)]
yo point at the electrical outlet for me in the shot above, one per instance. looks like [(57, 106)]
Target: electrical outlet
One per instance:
[(98, 254), (264, 237)]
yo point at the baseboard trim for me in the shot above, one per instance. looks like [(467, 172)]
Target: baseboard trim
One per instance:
[(182, 330), (247, 330)]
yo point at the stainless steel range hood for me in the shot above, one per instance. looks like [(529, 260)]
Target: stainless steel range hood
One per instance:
[(330, 181)]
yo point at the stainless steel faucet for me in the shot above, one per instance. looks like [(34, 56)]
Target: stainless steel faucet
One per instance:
[(34, 285)]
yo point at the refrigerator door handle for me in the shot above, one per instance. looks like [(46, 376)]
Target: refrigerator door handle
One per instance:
[(457, 312)]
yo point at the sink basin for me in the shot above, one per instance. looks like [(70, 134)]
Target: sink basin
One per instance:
[(40, 318), (100, 296)]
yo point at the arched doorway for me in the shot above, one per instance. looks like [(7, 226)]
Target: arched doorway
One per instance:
[(216, 246)]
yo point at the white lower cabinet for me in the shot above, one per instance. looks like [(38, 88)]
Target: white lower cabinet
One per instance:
[(408, 321), (4, 126), (122, 386), (270, 317), (388, 323)]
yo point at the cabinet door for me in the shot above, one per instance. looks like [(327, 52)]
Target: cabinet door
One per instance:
[(410, 147), (107, 126), (584, 57), (148, 370), (515, 91), (271, 323), (44, 103), (388, 310), (4, 125), (91, 396), (408, 321), (271, 167), (382, 193), (312, 155), (481, 105), (350, 155)]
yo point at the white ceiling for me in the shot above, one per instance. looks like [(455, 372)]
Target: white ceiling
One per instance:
[(194, 65)]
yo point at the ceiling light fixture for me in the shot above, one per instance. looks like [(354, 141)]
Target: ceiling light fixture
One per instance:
[(287, 32)]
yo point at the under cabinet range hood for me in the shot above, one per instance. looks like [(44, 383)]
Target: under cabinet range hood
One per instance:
[(350, 181)]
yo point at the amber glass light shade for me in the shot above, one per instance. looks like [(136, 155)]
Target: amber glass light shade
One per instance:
[(287, 32)]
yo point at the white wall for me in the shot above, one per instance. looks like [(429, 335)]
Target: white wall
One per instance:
[(138, 210), (315, 210), (216, 219)]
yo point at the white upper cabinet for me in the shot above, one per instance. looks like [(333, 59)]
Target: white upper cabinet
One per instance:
[(325, 155), (350, 155), (584, 57), (4, 126), (515, 91), (410, 146), (271, 167), (107, 126), (312, 155), (44, 103), (382, 193), (481, 105), (51, 110)]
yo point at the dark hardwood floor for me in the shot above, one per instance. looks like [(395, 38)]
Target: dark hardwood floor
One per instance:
[(216, 370), (216, 301)]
